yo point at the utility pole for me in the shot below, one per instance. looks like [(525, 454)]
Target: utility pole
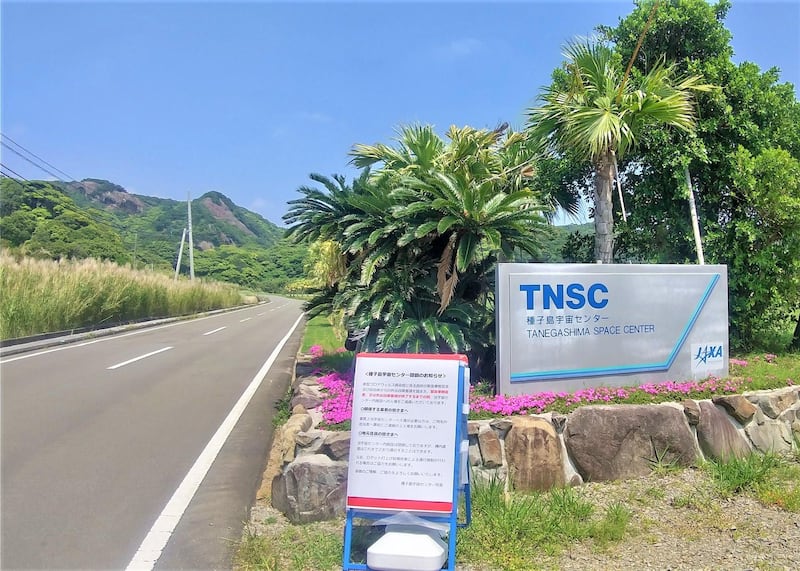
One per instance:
[(180, 255), (191, 239), (135, 240)]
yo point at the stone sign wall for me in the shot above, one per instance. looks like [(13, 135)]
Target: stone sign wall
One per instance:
[(537, 452)]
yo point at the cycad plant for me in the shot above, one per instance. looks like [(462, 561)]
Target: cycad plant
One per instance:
[(422, 231)]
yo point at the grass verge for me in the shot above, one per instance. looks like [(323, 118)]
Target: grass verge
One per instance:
[(771, 478), (43, 296), (507, 528), (277, 547), (320, 331)]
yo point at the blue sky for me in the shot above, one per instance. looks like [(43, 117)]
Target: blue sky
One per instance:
[(249, 98)]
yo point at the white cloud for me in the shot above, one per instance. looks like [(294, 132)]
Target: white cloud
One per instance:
[(291, 122), (279, 132), (315, 117), (259, 205), (459, 48)]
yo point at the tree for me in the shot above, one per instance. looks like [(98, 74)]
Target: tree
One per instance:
[(421, 233), (763, 244), (742, 127), (599, 112), (39, 220)]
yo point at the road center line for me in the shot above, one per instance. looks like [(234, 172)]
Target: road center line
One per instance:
[(150, 550), (139, 358), (245, 319), (215, 330)]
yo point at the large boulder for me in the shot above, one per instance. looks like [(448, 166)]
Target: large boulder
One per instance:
[(533, 453), (300, 421), (770, 436), (737, 406), (627, 441), (310, 442), (475, 458), (337, 445), (501, 425), (491, 450), (774, 403), (312, 488), (307, 395), (718, 438)]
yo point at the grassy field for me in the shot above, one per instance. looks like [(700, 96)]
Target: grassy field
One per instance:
[(42, 296)]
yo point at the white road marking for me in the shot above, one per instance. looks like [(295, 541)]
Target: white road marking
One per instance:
[(215, 330), (245, 319), (139, 358), (260, 314), (150, 549), (120, 336)]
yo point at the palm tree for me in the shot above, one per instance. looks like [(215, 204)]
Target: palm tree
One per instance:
[(599, 112)]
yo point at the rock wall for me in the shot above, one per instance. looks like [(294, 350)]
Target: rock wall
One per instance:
[(537, 452)]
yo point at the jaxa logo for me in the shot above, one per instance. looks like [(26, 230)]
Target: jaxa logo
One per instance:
[(706, 352), (707, 356)]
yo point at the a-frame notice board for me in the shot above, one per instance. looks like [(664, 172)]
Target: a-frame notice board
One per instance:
[(408, 447)]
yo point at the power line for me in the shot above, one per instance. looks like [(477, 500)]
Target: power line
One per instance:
[(13, 150), (37, 156), (12, 171)]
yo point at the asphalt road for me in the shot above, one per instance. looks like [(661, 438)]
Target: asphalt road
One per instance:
[(97, 438)]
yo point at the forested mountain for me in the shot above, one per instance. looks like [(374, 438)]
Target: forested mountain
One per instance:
[(97, 218), (216, 220)]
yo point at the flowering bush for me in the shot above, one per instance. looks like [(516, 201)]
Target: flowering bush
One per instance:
[(338, 406), (482, 406), (316, 352)]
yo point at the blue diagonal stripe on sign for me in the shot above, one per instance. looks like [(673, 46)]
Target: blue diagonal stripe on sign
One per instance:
[(626, 369)]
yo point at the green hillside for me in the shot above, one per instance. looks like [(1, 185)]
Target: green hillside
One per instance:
[(97, 218), (572, 243), (216, 220)]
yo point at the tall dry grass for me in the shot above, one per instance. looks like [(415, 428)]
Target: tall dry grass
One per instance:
[(42, 296)]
